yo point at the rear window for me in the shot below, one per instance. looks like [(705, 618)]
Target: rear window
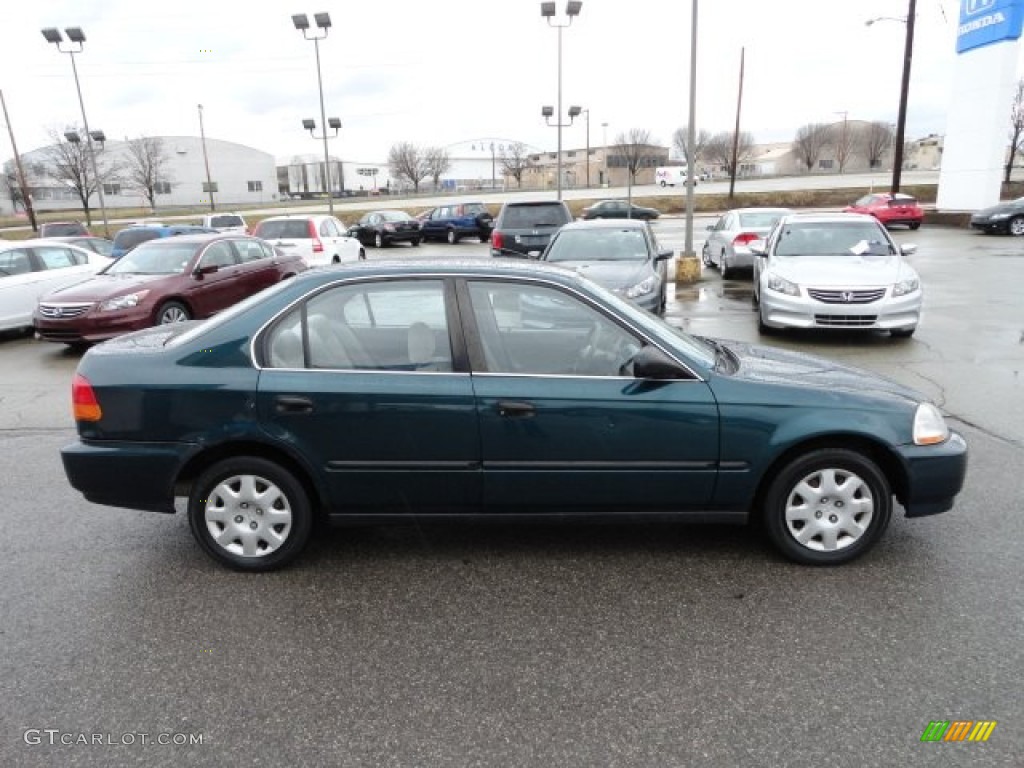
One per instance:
[(129, 238), (62, 230), (759, 220), (527, 216), (226, 220), (903, 200), (289, 229)]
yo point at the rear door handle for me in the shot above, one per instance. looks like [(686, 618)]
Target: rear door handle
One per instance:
[(293, 404), (515, 410)]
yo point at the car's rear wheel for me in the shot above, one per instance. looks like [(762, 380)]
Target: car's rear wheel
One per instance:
[(378, 240), (453, 237), (915, 225), (724, 266), (827, 506), (250, 514), (362, 254), (1016, 225), (172, 312), (705, 256), (416, 241)]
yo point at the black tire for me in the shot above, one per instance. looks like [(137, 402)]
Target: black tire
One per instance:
[(1015, 226), (232, 490), (172, 312), (362, 254), (484, 237), (722, 266), (378, 240), (663, 184), (705, 256), (854, 512), (452, 236), (915, 225), (416, 242)]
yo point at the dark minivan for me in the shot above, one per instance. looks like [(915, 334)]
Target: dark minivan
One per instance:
[(524, 229)]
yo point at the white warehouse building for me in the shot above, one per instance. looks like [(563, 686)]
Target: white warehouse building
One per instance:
[(241, 175)]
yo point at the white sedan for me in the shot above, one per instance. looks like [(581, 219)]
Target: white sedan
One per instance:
[(837, 271), (31, 268)]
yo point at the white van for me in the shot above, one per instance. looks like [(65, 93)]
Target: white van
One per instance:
[(670, 175)]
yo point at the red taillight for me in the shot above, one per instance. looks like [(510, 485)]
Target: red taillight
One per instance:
[(83, 400), (497, 240), (318, 247), (744, 238)]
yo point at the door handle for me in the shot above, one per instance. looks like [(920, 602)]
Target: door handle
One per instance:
[(293, 404), (515, 410)]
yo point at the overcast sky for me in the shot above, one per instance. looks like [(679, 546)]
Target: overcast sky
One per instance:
[(444, 72)]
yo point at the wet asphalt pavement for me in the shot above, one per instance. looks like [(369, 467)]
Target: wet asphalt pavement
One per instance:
[(515, 645)]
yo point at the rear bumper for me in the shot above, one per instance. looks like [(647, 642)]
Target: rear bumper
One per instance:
[(935, 475), (122, 474)]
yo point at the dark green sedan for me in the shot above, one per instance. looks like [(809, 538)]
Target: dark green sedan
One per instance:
[(388, 392)]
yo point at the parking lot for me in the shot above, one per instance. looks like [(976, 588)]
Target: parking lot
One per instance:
[(615, 645)]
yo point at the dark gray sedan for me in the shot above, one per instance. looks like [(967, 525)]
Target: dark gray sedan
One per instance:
[(1003, 219), (623, 256)]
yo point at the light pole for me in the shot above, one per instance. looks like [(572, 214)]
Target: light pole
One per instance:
[(586, 113), (76, 38), (901, 117), (547, 11), (604, 141), (323, 22), (206, 159), (332, 122)]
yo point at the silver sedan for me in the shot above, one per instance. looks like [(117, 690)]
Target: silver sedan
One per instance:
[(728, 244)]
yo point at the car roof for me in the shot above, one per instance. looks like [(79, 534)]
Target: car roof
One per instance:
[(760, 209), (6, 245), (484, 266), (297, 217), (199, 237), (828, 218)]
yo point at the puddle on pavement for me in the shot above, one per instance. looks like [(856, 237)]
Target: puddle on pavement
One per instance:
[(727, 291)]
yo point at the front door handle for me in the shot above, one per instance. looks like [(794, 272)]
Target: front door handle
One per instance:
[(515, 410), (293, 404)]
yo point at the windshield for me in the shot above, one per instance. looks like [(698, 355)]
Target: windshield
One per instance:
[(157, 258), (833, 238), (226, 220), (394, 216), (599, 245)]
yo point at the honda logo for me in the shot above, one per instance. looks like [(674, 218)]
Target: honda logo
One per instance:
[(846, 296)]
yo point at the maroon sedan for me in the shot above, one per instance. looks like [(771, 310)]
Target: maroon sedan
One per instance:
[(168, 280)]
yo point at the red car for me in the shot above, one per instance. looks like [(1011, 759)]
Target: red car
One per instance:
[(890, 209), (167, 280)]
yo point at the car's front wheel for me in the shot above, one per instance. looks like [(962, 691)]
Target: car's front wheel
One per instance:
[(172, 312), (1016, 225), (378, 240), (453, 237), (250, 514), (827, 506)]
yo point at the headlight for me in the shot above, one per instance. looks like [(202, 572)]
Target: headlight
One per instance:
[(903, 287), (780, 285), (123, 302), (644, 286), (929, 426)]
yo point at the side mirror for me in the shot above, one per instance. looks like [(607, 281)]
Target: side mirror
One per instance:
[(663, 255), (709, 227), (909, 249), (209, 269), (758, 247), (652, 363)]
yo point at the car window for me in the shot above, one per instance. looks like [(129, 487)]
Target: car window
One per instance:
[(226, 220), (218, 254), (759, 219), (249, 250), (55, 258), (16, 261), (283, 229), (327, 228), (388, 326), (98, 244), (129, 238), (532, 329), (528, 216)]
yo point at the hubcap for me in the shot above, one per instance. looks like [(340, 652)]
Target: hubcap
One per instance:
[(1017, 226), (829, 510), (173, 315), (248, 515)]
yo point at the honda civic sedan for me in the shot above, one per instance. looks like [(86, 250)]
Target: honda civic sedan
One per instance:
[(391, 392)]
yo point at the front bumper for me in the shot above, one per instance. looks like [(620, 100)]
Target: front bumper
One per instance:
[(784, 311), (995, 226), (124, 474), (94, 326), (935, 475)]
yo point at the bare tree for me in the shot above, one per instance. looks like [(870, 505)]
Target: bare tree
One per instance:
[(406, 161), (436, 161), (682, 135), (631, 150), (719, 149), (1016, 128), (515, 161), (843, 143), (145, 167), (68, 162), (811, 140), (11, 185), (876, 139)]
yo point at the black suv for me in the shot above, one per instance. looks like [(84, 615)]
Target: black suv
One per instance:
[(454, 221), (525, 228)]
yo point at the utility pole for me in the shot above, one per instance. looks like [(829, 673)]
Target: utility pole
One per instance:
[(901, 119), (691, 136), (736, 134), (26, 198), (206, 160)]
